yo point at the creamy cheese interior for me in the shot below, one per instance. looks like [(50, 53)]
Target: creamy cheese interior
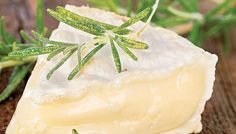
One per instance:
[(164, 92), (136, 107)]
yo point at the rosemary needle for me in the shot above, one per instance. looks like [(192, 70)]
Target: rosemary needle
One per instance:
[(85, 60), (79, 18), (69, 48), (79, 55), (186, 5), (85, 26), (131, 43), (39, 37), (39, 16), (194, 35), (217, 9), (44, 40), (134, 19), (127, 51), (4, 48), (116, 56), (6, 37), (91, 54), (129, 7), (56, 52), (60, 63), (15, 79), (28, 38), (33, 51)]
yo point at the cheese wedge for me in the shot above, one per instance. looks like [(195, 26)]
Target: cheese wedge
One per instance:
[(164, 92)]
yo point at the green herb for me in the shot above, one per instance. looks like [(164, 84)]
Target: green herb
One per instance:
[(194, 35), (6, 37), (79, 18), (104, 34), (27, 38), (188, 6), (128, 52), (22, 65), (131, 43), (129, 7), (45, 41), (87, 26), (60, 63), (134, 19), (217, 9), (179, 12), (55, 53), (39, 16), (16, 78), (215, 23), (109, 4), (84, 61), (33, 51), (116, 56)]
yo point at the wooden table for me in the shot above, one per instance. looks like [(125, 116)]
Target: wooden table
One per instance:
[(219, 116)]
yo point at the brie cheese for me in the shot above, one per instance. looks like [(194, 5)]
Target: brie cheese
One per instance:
[(164, 92)]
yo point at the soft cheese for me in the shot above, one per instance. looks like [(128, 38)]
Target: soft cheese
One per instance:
[(164, 92)]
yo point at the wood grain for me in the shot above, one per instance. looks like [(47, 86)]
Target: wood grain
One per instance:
[(219, 116)]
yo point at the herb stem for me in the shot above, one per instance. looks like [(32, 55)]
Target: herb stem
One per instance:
[(11, 63), (154, 8), (195, 16), (133, 20)]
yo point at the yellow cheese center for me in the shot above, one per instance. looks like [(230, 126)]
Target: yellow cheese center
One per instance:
[(136, 107)]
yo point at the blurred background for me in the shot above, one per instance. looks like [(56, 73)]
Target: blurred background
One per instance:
[(210, 24)]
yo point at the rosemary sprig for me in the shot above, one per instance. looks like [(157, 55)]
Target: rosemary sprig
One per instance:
[(22, 65), (104, 34), (183, 12), (79, 18), (86, 26)]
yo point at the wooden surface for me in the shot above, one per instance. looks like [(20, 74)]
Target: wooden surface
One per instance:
[(219, 116)]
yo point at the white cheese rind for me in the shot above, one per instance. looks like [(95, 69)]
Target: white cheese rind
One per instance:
[(167, 52)]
